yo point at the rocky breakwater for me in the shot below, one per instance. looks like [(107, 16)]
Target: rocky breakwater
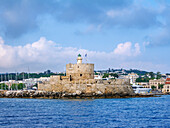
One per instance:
[(112, 92), (23, 94), (99, 92)]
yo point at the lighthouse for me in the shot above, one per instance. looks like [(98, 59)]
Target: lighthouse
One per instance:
[(79, 59), (80, 71)]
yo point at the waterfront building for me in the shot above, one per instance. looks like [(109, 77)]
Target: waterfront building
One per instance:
[(166, 88), (156, 83), (163, 76), (167, 75), (98, 76), (144, 84)]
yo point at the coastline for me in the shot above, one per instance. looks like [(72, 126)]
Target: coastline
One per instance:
[(31, 94)]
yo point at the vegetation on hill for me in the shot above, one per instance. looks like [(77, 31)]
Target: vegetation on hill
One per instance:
[(106, 75), (149, 76), (142, 79)]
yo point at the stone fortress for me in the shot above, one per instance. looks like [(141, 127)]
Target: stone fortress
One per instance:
[(80, 71), (79, 80)]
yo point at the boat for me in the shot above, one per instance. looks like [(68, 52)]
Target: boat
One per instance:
[(140, 89)]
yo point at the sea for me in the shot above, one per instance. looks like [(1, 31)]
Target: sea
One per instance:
[(152, 112)]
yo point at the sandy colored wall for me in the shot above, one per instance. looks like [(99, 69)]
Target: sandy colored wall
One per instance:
[(80, 71), (90, 86)]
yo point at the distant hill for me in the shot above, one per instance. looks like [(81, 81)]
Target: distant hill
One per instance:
[(139, 72), (123, 71)]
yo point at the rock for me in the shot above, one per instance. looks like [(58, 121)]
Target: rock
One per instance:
[(78, 92), (73, 94), (8, 93), (63, 95), (99, 92)]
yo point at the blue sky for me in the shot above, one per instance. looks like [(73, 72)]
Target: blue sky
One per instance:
[(43, 34)]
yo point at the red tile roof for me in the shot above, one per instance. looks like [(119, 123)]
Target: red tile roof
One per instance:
[(167, 82), (167, 79)]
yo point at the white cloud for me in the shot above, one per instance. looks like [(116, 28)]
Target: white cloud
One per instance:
[(125, 49), (118, 13), (111, 13), (45, 54), (1, 40), (137, 49)]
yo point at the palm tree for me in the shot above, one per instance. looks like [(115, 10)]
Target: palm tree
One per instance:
[(158, 75), (153, 87), (161, 86)]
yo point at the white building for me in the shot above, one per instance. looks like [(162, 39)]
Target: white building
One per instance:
[(98, 76), (132, 76)]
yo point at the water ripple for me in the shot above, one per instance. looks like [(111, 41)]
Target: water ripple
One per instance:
[(120, 113)]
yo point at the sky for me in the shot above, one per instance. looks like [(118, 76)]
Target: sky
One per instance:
[(48, 34)]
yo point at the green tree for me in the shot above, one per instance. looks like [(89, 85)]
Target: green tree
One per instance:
[(114, 74), (160, 86), (141, 79), (21, 86), (153, 87), (158, 75), (3, 86), (106, 75), (14, 87), (152, 75), (96, 73)]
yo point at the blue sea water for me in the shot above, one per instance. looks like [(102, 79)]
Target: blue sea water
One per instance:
[(105, 113)]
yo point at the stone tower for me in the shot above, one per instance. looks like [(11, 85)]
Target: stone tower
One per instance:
[(79, 59), (80, 71)]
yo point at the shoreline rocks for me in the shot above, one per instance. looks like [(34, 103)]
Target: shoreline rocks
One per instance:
[(65, 95)]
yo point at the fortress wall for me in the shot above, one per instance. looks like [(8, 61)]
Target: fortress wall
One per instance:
[(117, 82), (94, 86), (55, 78), (44, 86), (50, 87), (88, 89), (80, 71)]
